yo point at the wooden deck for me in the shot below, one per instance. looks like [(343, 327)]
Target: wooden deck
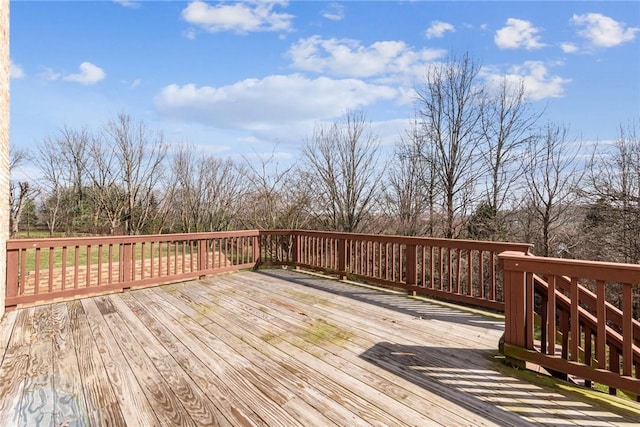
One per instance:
[(275, 348)]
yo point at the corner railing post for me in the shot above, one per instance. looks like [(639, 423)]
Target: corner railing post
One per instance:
[(13, 280), (515, 304)]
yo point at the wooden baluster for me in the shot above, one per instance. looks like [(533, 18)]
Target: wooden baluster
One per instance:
[(441, 267), (564, 329), (76, 265), (88, 267), (481, 274), (529, 314), (342, 258), (492, 265), (588, 349), (411, 264), (551, 316), (110, 262), (627, 329), (575, 324), (544, 324), (469, 272), (50, 281), (614, 366)]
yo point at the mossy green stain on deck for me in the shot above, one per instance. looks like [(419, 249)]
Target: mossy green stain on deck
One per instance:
[(321, 330)]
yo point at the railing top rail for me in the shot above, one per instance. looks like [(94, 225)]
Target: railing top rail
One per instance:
[(425, 241), (598, 270), (95, 240)]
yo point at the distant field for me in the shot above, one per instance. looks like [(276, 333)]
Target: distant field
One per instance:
[(38, 234), (82, 256)]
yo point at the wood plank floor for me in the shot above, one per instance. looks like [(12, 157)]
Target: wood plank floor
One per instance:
[(270, 348)]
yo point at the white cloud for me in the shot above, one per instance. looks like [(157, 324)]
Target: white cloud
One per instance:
[(603, 31), (240, 17), (569, 47), (16, 71), (275, 101), (438, 28), (89, 74), (128, 3), (335, 12), (48, 75), (136, 83), (189, 33), (345, 57), (535, 76), (516, 34)]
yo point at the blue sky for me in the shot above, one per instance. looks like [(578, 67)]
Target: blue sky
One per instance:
[(235, 78)]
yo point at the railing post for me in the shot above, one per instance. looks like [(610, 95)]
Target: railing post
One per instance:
[(515, 305), (13, 281), (295, 249), (342, 258)]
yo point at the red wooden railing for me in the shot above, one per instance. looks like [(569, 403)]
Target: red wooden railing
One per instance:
[(581, 333), (45, 269), (456, 270)]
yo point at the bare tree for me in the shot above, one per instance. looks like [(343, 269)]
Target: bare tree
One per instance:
[(62, 161), (139, 159), (553, 176), (275, 197), (341, 168), (53, 181), (614, 178), (409, 191), (106, 191), (507, 126), (449, 104), (204, 191), (19, 191)]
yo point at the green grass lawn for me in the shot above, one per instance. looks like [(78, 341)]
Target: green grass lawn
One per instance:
[(92, 257), (55, 255)]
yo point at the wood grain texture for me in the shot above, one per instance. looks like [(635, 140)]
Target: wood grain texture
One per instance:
[(273, 348), (37, 406), (13, 370), (164, 403), (129, 393), (101, 405), (161, 348)]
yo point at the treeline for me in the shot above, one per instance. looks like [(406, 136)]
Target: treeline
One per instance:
[(477, 162)]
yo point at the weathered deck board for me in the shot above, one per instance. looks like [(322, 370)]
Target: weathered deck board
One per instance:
[(252, 349), (467, 370), (70, 405), (100, 400), (212, 372), (309, 370), (14, 366), (247, 367), (128, 392), (313, 336), (330, 346), (37, 406)]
